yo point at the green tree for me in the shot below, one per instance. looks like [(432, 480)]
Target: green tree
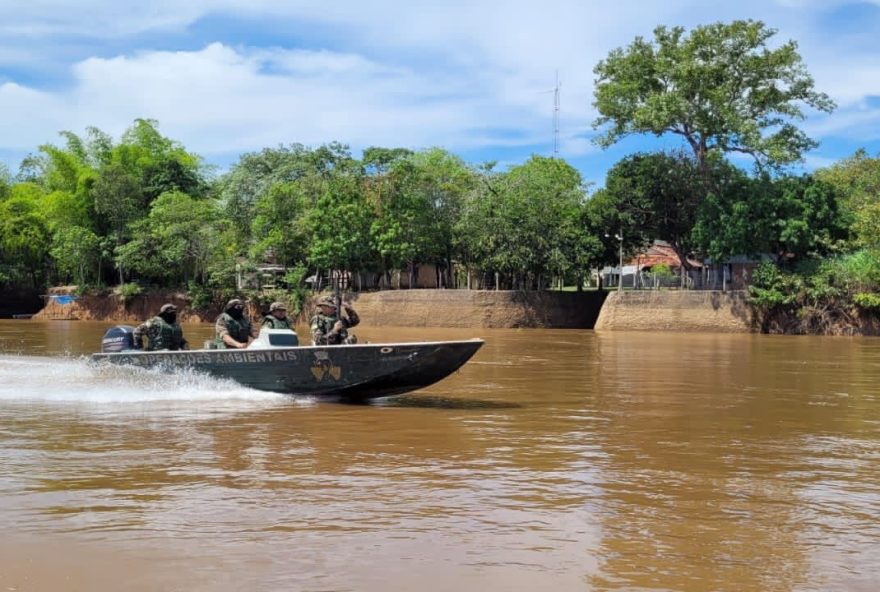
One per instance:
[(339, 226), (118, 199), (721, 87), (857, 181), (159, 164), (176, 242), (656, 196), (417, 200), (5, 182), (617, 226), (24, 237), (278, 225), (255, 173), (791, 218), (376, 159), (521, 223), (77, 254)]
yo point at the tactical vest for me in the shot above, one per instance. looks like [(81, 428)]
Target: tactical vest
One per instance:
[(163, 335), (322, 324), (273, 322), (239, 330)]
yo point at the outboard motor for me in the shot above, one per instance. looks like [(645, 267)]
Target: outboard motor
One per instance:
[(117, 339)]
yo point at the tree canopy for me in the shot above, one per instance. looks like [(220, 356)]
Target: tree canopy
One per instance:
[(721, 87)]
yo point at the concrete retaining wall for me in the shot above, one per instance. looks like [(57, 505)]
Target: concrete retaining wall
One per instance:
[(401, 308), (479, 308), (674, 310)]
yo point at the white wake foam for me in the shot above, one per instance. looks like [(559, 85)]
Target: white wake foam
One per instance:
[(32, 378)]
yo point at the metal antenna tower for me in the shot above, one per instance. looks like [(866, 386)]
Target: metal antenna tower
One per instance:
[(556, 117)]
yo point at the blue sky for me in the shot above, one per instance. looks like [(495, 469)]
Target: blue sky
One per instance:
[(228, 76)]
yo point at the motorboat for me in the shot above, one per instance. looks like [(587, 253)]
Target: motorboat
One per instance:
[(276, 362)]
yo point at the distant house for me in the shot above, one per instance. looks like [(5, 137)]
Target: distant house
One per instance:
[(264, 276), (733, 274), (639, 271)]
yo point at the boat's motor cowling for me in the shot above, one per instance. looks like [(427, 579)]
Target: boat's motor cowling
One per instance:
[(117, 339)]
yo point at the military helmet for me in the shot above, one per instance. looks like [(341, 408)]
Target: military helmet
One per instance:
[(277, 306), (167, 308), (234, 303), (327, 301)]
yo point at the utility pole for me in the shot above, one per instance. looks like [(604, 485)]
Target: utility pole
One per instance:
[(620, 268)]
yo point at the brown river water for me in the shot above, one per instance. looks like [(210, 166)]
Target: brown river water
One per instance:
[(554, 460)]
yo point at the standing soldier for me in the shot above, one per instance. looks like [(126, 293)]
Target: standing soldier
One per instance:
[(232, 328), (163, 331), (329, 328), (277, 317)]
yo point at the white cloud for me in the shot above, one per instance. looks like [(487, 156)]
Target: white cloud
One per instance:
[(461, 74), (29, 117), (859, 123), (220, 100)]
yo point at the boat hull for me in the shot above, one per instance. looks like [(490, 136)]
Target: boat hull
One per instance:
[(351, 372)]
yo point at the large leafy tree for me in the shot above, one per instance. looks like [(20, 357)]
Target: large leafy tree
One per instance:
[(159, 164), (791, 218), (97, 188), (24, 236), (417, 199), (721, 87), (177, 242), (522, 223), (77, 253), (617, 228), (278, 226), (254, 175), (339, 226), (656, 197)]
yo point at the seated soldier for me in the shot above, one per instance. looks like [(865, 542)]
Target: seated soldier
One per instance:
[(232, 328), (163, 331), (277, 317), (330, 328)]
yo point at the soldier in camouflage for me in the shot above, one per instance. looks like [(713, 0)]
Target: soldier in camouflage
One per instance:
[(277, 317), (232, 328), (163, 331), (330, 328)]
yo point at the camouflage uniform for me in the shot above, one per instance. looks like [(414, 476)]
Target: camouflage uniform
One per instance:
[(322, 326), (270, 321), (161, 335), (238, 329)]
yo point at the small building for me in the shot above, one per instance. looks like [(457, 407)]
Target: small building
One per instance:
[(733, 274), (641, 271), (263, 277)]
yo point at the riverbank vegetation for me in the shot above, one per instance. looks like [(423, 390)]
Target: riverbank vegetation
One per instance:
[(142, 210), (145, 211)]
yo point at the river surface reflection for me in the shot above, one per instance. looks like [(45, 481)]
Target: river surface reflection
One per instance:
[(557, 460)]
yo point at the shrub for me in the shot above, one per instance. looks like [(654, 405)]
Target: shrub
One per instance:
[(128, 291), (662, 273), (200, 297), (772, 288), (867, 301)]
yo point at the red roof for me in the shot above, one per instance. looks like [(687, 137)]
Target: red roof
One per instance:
[(660, 253)]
